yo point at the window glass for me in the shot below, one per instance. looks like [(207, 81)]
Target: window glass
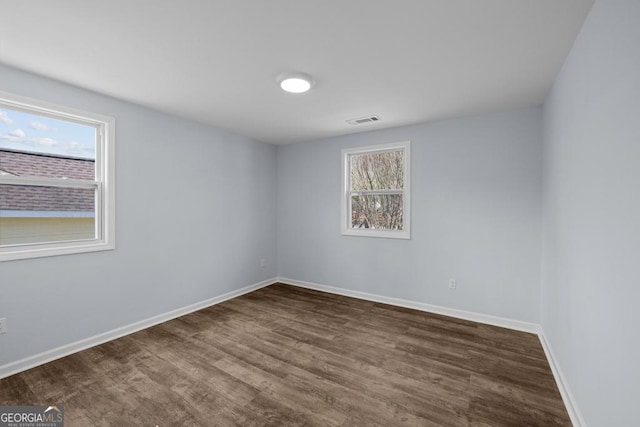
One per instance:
[(376, 191), (56, 192)]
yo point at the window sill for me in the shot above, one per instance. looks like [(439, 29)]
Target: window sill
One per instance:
[(405, 235)]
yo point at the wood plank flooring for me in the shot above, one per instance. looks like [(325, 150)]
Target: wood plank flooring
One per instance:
[(286, 356)]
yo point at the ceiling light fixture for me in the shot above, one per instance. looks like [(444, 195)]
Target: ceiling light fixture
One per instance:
[(295, 82)]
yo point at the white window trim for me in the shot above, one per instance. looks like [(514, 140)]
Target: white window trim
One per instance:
[(105, 180), (347, 230)]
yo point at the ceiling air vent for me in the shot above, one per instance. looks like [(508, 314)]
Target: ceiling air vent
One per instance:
[(363, 120)]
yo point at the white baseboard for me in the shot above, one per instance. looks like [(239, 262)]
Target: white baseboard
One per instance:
[(460, 314), (567, 397), (65, 350)]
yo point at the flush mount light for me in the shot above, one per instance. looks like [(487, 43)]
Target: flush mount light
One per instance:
[(295, 82)]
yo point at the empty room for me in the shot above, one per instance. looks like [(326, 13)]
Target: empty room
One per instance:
[(319, 213)]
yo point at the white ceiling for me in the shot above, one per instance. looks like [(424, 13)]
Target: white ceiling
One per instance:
[(216, 61)]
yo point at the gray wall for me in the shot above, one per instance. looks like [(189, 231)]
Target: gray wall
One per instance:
[(591, 274), (476, 216), (186, 228)]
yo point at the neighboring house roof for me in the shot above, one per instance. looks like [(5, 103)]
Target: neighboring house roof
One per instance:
[(26, 163), (48, 199)]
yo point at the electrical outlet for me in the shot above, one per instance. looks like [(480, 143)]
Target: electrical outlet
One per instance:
[(452, 283), (263, 263), (3, 325)]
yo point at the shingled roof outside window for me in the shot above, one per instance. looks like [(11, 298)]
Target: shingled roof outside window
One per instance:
[(30, 201)]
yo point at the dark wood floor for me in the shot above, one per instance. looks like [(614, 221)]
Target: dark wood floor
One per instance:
[(289, 356)]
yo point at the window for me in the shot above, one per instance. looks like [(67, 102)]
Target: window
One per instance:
[(375, 199), (56, 179)]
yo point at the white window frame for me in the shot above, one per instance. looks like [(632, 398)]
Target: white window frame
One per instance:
[(347, 229), (104, 182)]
